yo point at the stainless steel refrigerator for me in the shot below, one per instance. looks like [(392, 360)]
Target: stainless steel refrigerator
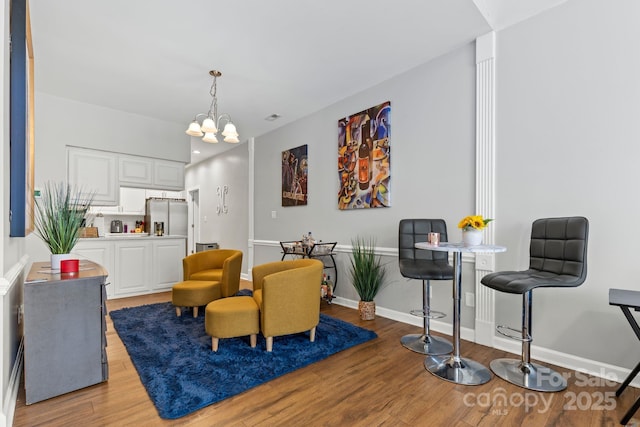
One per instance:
[(173, 213)]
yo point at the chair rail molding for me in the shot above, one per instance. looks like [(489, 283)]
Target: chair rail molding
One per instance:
[(485, 180)]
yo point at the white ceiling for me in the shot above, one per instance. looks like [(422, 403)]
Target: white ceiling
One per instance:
[(290, 57)]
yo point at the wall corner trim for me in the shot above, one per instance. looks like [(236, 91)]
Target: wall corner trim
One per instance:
[(486, 47)]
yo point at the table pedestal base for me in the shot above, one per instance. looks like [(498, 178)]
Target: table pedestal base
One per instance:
[(462, 371), (533, 377), (424, 344)]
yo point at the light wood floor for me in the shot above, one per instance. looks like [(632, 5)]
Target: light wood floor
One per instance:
[(378, 383)]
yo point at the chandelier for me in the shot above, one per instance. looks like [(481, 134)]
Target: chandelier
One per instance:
[(211, 122)]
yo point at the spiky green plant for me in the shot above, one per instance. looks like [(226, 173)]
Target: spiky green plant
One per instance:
[(367, 271), (58, 216)]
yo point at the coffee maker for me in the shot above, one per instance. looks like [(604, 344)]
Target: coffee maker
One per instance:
[(116, 226), (159, 228)]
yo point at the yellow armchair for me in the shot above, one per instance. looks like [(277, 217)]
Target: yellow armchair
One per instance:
[(288, 296), (222, 265)]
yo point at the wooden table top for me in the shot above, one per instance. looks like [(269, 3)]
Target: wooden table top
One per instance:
[(41, 272)]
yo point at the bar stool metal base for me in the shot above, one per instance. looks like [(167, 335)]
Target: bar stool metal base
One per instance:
[(463, 371), (533, 377), (426, 344)]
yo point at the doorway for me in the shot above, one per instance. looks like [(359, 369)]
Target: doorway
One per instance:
[(194, 220)]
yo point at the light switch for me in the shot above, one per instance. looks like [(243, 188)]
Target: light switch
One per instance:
[(470, 299), (274, 214)]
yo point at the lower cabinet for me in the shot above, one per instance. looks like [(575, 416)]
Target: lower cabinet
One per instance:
[(167, 258), (99, 253), (133, 259), (137, 266)]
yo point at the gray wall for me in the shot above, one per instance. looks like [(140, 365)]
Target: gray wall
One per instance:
[(567, 134), (432, 173), (229, 229), (567, 111)]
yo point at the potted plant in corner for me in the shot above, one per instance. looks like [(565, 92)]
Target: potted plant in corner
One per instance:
[(59, 214), (367, 275)]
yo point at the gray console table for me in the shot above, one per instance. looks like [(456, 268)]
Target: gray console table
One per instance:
[(64, 330)]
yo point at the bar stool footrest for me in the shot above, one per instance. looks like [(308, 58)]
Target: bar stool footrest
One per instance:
[(505, 331), (431, 314)]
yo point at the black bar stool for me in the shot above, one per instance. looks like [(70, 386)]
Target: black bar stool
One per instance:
[(424, 265), (557, 258)]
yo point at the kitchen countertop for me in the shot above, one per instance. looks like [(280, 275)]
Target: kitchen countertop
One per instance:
[(130, 236)]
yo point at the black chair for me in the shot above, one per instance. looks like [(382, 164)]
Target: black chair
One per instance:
[(424, 265), (558, 258)]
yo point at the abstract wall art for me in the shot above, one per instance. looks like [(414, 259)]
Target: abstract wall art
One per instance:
[(295, 165), (364, 159)]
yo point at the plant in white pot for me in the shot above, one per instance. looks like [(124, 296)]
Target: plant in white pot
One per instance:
[(368, 275), (59, 215)]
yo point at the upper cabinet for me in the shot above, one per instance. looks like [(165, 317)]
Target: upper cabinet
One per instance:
[(143, 172), (103, 172), (168, 175), (132, 200), (94, 171), (135, 171)]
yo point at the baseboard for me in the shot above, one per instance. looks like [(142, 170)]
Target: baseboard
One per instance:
[(575, 363), (437, 326), (9, 405)]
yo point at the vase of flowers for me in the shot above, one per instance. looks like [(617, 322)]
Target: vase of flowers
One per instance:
[(472, 227)]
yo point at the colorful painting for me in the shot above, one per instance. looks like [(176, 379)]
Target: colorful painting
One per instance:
[(364, 158), (295, 167)]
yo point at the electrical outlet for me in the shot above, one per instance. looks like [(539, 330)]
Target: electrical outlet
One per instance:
[(274, 214), (20, 311), (470, 299)]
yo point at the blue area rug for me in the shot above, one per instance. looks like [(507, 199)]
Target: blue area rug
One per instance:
[(180, 372)]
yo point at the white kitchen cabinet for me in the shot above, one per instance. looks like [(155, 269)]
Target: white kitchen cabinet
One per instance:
[(104, 172), (95, 172), (132, 200), (132, 267), (136, 265), (168, 175), (100, 253), (167, 263), (135, 171), (145, 172)]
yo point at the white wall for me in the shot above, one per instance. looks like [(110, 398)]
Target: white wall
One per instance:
[(567, 144), (229, 229), (432, 174), (61, 122)]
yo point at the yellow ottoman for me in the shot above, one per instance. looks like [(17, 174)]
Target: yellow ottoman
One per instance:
[(232, 317), (194, 293)]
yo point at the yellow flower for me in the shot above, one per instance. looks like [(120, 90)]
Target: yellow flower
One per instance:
[(473, 222), (464, 222)]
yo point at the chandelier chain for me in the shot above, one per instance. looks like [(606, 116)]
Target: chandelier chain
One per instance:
[(213, 91)]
